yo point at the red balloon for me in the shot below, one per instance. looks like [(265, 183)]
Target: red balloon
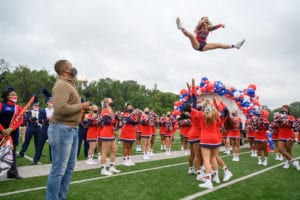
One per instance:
[(210, 87), (177, 103), (183, 91), (203, 90), (253, 86)]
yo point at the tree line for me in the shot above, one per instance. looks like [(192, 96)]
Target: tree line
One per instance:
[(28, 82)]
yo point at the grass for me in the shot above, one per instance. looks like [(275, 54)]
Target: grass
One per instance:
[(168, 179)]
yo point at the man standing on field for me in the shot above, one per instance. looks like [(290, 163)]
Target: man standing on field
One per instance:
[(62, 132)]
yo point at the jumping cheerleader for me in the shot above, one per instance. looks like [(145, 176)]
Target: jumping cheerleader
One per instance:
[(108, 137), (202, 30)]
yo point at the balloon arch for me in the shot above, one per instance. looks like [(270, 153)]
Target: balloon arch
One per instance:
[(245, 101)]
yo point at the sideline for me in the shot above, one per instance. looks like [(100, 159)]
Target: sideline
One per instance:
[(207, 191)]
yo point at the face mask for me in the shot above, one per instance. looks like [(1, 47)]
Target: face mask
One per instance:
[(35, 108), (73, 72), (111, 104), (168, 115), (95, 111), (130, 110), (146, 113), (13, 99)]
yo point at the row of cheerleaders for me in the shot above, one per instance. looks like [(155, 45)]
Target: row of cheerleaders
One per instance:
[(134, 125), (190, 112)]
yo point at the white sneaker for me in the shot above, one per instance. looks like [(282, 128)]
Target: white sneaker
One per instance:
[(114, 170), (228, 152), (260, 162), (106, 173), (178, 23), (207, 184), (161, 147), (239, 44), (186, 153), (126, 163), (131, 163), (280, 157), (286, 164), (216, 179), (296, 164), (151, 154), (227, 175), (99, 156), (200, 177), (90, 161), (146, 157), (191, 170), (265, 163), (168, 153)]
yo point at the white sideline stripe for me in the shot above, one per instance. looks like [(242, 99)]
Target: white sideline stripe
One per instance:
[(199, 194), (102, 177)]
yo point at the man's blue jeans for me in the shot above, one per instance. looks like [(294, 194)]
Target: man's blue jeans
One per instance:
[(64, 143)]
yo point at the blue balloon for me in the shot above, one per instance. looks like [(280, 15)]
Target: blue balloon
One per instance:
[(251, 92)]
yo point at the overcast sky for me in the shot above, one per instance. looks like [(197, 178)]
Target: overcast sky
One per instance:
[(138, 40)]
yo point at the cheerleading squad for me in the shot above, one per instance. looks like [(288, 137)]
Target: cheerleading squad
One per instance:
[(104, 128), (205, 125), (282, 128)]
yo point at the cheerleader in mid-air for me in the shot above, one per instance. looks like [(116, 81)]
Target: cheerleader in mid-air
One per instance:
[(202, 30)]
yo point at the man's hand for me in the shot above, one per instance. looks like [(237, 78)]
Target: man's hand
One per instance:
[(85, 105)]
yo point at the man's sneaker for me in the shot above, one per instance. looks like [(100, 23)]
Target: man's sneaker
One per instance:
[(227, 175), (286, 164), (178, 23), (260, 162), (207, 184), (114, 170), (216, 179), (106, 173), (90, 161), (239, 44)]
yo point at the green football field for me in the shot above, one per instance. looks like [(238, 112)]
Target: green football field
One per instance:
[(168, 179)]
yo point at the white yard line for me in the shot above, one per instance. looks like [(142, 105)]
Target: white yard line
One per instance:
[(199, 194)]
